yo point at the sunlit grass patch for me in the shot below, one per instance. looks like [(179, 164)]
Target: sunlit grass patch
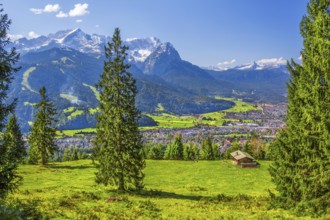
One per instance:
[(173, 190)]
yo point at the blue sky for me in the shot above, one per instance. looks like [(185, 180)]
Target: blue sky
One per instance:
[(205, 32)]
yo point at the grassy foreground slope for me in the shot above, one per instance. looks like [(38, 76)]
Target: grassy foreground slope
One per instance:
[(173, 190)]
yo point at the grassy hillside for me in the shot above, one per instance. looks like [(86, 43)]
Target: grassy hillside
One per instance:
[(173, 190), (167, 120)]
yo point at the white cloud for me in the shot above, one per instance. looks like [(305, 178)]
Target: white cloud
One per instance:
[(47, 9), (52, 8), (97, 26), (14, 37), (79, 10), (32, 35), (61, 14), (226, 63), (300, 57)]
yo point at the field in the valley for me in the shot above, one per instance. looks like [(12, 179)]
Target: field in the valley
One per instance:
[(173, 190), (168, 120)]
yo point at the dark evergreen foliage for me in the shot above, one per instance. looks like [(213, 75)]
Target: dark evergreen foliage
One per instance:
[(301, 152), (8, 59), (156, 152), (118, 147), (207, 149), (13, 139), (190, 151), (11, 154), (10, 141), (43, 132), (174, 151)]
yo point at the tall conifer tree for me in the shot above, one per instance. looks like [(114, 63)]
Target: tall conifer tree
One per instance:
[(8, 58), (207, 148), (118, 147), (42, 136), (13, 140), (301, 152)]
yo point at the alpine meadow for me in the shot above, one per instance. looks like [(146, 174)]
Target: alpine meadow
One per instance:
[(228, 120)]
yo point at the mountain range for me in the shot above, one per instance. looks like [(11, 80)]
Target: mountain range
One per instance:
[(69, 63)]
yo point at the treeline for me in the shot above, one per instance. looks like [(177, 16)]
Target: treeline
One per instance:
[(206, 150)]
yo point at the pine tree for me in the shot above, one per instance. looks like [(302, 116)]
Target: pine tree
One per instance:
[(117, 146), (74, 155), (156, 152), (190, 151), (301, 152), (177, 148), (13, 140), (42, 136), (8, 161), (67, 154), (207, 148), (11, 154)]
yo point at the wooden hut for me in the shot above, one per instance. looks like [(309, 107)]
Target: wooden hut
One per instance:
[(243, 159)]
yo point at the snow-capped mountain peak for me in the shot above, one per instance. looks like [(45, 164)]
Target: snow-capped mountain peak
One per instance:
[(249, 66), (139, 49), (271, 63), (262, 64)]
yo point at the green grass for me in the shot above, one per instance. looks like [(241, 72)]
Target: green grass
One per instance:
[(96, 93), (75, 114), (69, 97), (93, 110), (166, 120), (173, 190), (240, 106), (75, 132), (26, 78), (69, 110), (72, 112), (160, 107)]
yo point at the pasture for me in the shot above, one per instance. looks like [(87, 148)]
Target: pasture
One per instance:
[(173, 190)]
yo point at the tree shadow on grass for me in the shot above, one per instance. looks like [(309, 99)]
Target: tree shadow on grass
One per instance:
[(168, 195), (82, 167)]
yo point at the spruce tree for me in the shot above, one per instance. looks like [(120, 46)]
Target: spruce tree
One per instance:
[(66, 155), (8, 160), (42, 133), (11, 154), (177, 148), (74, 155), (13, 140), (207, 148), (8, 59), (117, 146), (301, 152)]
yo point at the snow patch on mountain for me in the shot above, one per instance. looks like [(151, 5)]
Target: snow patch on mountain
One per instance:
[(262, 64), (139, 49)]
